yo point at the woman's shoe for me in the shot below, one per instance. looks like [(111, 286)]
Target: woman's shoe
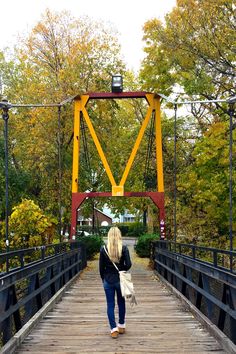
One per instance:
[(114, 334), (121, 330)]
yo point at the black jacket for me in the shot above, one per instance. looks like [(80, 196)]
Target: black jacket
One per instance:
[(107, 270)]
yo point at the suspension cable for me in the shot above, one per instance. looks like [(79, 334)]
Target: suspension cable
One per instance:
[(228, 100), (149, 150), (71, 98)]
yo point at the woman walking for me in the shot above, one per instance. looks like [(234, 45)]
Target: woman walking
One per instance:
[(114, 252)]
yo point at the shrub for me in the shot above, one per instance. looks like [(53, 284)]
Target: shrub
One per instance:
[(143, 245), (92, 243), (136, 229)]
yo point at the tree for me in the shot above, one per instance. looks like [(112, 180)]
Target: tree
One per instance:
[(205, 186), (62, 57), (193, 54), (194, 48), (18, 180), (29, 226)]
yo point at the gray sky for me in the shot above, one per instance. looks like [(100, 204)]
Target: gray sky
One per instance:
[(128, 16)]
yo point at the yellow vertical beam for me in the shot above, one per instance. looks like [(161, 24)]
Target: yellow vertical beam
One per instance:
[(159, 158), (138, 140), (75, 168), (98, 146)]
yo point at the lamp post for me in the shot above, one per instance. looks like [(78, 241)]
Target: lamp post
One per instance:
[(175, 172), (59, 172), (231, 102), (5, 115)]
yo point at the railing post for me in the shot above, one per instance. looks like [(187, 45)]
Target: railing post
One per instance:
[(215, 258), (231, 262), (180, 248), (22, 260), (43, 253), (175, 247), (193, 252)]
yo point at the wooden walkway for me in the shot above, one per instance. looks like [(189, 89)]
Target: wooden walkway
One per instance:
[(159, 324)]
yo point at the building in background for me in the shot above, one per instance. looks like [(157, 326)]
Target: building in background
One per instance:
[(122, 218), (97, 218)]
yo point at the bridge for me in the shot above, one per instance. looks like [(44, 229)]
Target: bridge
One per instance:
[(186, 304), (52, 300)]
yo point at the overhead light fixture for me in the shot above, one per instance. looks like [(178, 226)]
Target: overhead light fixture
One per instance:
[(117, 83)]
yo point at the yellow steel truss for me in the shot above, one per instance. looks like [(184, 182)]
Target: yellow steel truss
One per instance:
[(117, 189)]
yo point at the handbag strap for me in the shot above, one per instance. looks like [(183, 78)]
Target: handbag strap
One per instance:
[(110, 258)]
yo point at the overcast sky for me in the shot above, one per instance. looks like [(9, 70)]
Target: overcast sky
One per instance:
[(128, 16)]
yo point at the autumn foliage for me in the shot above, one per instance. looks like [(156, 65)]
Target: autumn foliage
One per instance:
[(190, 55)]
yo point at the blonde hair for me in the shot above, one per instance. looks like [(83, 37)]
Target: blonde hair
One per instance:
[(114, 244)]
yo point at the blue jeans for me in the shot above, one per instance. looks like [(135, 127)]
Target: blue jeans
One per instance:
[(110, 291)]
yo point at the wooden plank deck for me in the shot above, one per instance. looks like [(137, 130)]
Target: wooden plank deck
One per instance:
[(159, 324)]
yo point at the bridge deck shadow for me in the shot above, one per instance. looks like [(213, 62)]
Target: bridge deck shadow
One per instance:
[(159, 324)]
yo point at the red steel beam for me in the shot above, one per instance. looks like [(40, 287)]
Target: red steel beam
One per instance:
[(156, 197), (107, 95)]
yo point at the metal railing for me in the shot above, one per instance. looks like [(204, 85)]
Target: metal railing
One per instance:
[(30, 277), (205, 276), (223, 259), (14, 260)]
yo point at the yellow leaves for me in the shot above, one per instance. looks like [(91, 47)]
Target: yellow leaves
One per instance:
[(213, 147), (29, 226), (197, 37), (62, 56)]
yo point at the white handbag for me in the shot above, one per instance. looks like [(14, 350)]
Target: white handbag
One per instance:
[(126, 284)]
